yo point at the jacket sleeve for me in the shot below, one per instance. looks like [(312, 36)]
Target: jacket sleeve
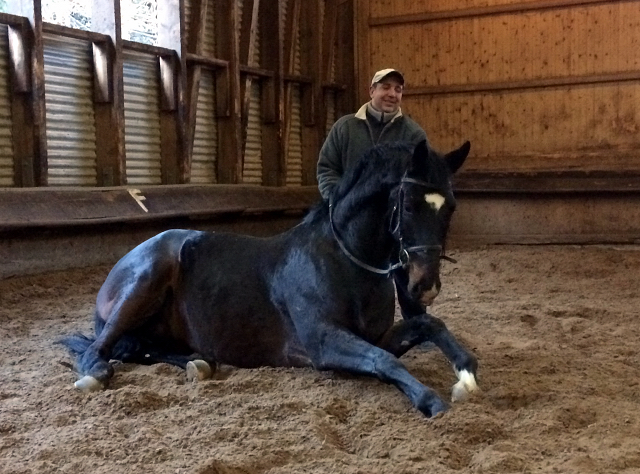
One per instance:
[(330, 168), (418, 135)]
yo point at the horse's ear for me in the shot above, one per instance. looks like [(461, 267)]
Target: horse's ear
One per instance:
[(456, 158), (419, 158)]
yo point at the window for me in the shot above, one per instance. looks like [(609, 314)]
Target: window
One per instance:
[(139, 20), (139, 17), (71, 13)]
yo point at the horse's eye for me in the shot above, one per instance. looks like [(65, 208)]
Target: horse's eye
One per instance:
[(408, 207)]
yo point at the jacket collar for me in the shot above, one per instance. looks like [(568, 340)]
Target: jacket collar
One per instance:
[(362, 113)]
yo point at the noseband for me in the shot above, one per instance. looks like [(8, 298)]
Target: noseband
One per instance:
[(403, 254)]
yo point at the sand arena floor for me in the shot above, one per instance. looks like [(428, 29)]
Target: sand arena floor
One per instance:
[(556, 331)]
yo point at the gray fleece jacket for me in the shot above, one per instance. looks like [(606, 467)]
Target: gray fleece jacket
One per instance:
[(351, 136)]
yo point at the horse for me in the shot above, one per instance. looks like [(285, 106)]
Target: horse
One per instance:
[(318, 295)]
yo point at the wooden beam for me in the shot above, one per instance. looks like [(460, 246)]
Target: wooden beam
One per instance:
[(344, 57), (329, 38), (108, 94), (171, 132), (491, 10), (211, 63), (313, 106), (102, 72), (66, 32), (192, 61), (23, 133), (248, 29), (32, 169), (547, 182), (257, 72), (10, 19), (18, 57), (541, 83), (362, 50), (22, 209), (228, 92), (271, 94), (172, 102)]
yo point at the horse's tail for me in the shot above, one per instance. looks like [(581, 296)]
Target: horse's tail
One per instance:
[(128, 348)]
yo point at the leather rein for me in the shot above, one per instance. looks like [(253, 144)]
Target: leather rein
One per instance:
[(403, 255)]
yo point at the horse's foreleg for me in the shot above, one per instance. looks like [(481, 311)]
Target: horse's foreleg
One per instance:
[(337, 349), (409, 333)]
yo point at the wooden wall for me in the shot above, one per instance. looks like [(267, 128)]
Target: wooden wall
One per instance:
[(537, 85)]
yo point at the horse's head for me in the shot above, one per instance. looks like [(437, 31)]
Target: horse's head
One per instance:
[(421, 212)]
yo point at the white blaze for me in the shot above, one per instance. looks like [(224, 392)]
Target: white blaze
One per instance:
[(435, 200)]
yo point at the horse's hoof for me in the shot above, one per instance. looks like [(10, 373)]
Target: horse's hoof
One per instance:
[(465, 386), (438, 409), (198, 369), (88, 384)]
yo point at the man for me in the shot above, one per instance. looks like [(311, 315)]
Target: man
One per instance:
[(378, 121)]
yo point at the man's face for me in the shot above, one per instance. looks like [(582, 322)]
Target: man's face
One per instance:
[(386, 95)]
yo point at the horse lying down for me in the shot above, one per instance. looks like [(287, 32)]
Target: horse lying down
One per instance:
[(318, 295)]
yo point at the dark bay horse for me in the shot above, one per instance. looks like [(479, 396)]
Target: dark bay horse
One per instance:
[(317, 295)]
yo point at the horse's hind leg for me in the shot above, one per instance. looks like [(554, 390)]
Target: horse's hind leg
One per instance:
[(94, 362), (408, 333), (120, 310)]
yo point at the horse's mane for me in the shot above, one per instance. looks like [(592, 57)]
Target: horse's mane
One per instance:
[(380, 163), (380, 168)]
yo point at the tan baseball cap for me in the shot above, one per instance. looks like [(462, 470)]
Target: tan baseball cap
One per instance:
[(380, 75)]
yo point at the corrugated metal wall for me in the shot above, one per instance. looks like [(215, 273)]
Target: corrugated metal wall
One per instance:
[(142, 118), (294, 138), (252, 167), (205, 139), (6, 144), (71, 132), (252, 163)]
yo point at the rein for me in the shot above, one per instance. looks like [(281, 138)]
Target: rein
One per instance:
[(403, 255), (360, 263)]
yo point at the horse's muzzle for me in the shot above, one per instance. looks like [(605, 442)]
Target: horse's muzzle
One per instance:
[(424, 281)]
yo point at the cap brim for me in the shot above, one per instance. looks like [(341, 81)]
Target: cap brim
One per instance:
[(395, 74)]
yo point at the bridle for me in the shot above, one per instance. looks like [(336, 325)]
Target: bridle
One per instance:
[(396, 232)]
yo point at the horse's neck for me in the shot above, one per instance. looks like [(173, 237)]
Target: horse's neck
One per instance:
[(364, 231)]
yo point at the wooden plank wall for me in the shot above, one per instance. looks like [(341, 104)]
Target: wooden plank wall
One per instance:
[(537, 85)]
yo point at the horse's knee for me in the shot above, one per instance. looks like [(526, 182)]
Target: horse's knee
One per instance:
[(436, 325), (387, 367)]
